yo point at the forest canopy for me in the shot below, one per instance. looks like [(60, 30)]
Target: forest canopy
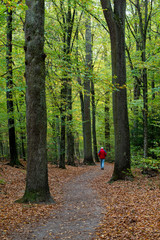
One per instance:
[(72, 78)]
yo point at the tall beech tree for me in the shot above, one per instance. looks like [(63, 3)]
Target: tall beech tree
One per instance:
[(70, 18), (37, 188), (115, 17), (9, 93), (80, 90), (88, 158)]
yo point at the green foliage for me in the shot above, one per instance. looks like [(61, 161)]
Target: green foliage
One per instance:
[(56, 70), (2, 181), (145, 163)]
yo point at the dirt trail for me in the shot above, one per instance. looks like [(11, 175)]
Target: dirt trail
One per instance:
[(78, 217)]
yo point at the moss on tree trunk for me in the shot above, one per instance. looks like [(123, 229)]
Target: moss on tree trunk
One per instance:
[(37, 188), (36, 197)]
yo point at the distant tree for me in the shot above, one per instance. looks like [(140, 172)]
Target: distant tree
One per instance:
[(69, 32), (107, 124), (9, 93), (94, 122), (143, 12), (66, 23), (88, 158), (79, 80), (37, 188), (22, 123)]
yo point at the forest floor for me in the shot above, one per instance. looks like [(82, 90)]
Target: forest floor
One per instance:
[(86, 206)]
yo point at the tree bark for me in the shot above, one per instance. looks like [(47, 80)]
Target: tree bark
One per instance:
[(70, 136), (144, 77), (107, 124), (63, 102), (37, 188), (94, 122), (88, 158), (143, 26), (116, 24), (77, 150), (80, 91), (67, 91), (22, 125), (9, 93), (63, 122), (137, 83)]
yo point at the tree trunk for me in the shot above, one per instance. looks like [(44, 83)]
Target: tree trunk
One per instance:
[(145, 113), (94, 123), (63, 122), (143, 33), (68, 22), (23, 145), (144, 77), (10, 106), (77, 150), (137, 82), (70, 136), (1, 147), (107, 125), (80, 92), (88, 158), (37, 188), (53, 156), (21, 119), (58, 137), (116, 23)]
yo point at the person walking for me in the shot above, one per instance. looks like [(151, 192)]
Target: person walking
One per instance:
[(102, 154)]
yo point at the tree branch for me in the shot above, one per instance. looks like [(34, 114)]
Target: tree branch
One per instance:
[(94, 16), (108, 14)]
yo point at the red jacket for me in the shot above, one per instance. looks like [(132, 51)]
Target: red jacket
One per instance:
[(102, 154)]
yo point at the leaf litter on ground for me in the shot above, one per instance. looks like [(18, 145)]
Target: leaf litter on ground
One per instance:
[(14, 216), (132, 208)]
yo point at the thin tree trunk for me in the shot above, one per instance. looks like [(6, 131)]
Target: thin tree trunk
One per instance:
[(58, 137), (63, 111), (77, 151), (80, 92), (1, 146), (88, 158), (70, 136), (63, 127), (145, 113), (66, 92), (143, 33), (9, 93), (54, 157), (21, 120), (137, 82), (145, 87), (107, 124), (94, 123)]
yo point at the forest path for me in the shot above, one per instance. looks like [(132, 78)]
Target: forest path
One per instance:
[(80, 214)]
